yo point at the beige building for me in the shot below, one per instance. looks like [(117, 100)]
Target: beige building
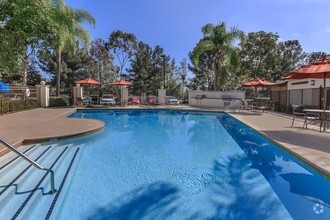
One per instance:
[(307, 92)]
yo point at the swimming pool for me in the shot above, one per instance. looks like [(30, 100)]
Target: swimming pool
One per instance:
[(158, 164)]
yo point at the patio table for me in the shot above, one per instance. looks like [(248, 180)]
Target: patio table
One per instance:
[(252, 105), (322, 113)]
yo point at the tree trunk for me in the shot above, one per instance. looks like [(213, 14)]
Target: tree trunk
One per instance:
[(100, 73), (24, 69), (58, 72), (216, 74)]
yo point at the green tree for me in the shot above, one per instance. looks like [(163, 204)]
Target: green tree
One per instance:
[(24, 24), (314, 56), (69, 32), (259, 54), (73, 66), (123, 46), (9, 57), (204, 73), (34, 76), (141, 69), (263, 56), (103, 68), (290, 56), (158, 58), (173, 84), (219, 42), (146, 69)]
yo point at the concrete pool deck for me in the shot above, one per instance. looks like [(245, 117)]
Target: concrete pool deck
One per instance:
[(50, 123), (42, 124)]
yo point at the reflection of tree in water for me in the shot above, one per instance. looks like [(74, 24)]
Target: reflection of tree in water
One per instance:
[(201, 131), (255, 146), (153, 201), (314, 188), (242, 193), (148, 129), (234, 191)]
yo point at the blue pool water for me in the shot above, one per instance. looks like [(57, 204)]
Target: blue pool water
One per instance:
[(157, 164)]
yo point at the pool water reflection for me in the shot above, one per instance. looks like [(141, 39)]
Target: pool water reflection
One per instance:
[(304, 192), (191, 165)]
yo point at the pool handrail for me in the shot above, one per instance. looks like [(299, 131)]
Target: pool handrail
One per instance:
[(52, 178)]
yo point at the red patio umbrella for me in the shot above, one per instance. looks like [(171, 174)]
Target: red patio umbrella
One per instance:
[(89, 81), (256, 82), (318, 69), (121, 83)]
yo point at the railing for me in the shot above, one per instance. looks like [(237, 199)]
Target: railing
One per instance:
[(52, 178), (235, 104)]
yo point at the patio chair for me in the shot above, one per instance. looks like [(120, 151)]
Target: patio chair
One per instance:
[(80, 101), (264, 106), (325, 122), (297, 110), (310, 118), (95, 100), (251, 105)]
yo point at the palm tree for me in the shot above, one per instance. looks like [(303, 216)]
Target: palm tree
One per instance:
[(220, 42), (69, 33)]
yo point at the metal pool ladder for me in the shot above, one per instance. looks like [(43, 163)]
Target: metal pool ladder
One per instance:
[(52, 178)]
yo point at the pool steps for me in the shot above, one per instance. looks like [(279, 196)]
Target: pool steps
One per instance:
[(11, 160), (8, 185), (18, 163), (24, 193), (51, 208)]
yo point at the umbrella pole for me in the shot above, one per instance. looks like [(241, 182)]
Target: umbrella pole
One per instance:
[(324, 99), (121, 96), (324, 91)]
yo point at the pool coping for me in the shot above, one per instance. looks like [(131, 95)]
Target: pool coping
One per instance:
[(60, 137)]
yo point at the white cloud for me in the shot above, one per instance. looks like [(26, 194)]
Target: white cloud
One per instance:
[(327, 30)]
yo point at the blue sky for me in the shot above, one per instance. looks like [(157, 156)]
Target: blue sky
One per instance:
[(175, 25)]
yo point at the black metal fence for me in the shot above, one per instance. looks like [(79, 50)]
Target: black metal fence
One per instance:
[(310, 98)]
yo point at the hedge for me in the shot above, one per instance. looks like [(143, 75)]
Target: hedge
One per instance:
[(59, 101), (16, 105)]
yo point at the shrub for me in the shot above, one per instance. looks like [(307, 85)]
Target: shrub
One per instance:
[(59, 101), (17, 105)]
